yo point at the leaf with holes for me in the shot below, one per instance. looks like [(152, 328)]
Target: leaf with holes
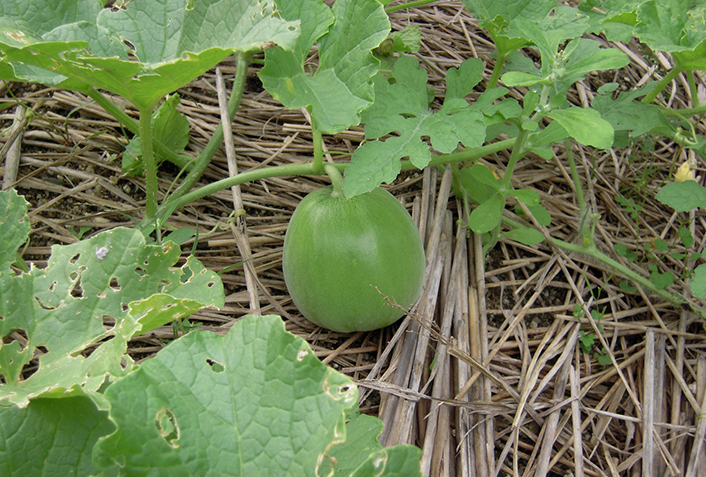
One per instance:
[(94, 296), (362, 454), (256, 401), (14, 228)]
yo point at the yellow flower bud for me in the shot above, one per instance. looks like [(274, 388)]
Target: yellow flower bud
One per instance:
[(685, 173)]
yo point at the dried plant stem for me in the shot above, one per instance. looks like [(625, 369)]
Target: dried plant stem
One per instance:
[(238, 226)]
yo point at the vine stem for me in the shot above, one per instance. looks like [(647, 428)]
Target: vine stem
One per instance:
[(336, 180), (308, 169), (497, 70), (593, 252), (243, 177), (242, 60), (134, 126), (318, 145), (150, 164), (673, 73), (518, 151), (575, 175), (402, 6)]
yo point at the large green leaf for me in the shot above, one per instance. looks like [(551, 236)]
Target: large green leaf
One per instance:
[(173, 41), (498, 18), (683, 196), (341, 87), (61, 309), (402, 107), (675, 26), (51, 437), (256, 401)]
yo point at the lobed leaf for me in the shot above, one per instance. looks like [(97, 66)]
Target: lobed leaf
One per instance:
[(362, 455), (402, 108), (341, 87)]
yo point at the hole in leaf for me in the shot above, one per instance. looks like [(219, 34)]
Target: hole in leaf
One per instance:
[(75, 258), (53, 285), (45, 306), (216, 367), (124, 307), (345, 388), (186, 276), (76, 290), (167, 426), (109, 322), (163, 283), (140, 272), (114, 284)]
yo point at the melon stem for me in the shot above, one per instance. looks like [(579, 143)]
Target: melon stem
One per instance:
[(336, 179)]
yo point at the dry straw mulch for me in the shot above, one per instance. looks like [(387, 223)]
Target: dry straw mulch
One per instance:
[(486, 374)]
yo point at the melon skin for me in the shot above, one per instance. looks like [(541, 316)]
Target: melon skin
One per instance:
[(336, 250)]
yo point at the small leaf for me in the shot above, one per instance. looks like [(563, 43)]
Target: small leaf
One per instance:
[(661, 245), (603, 358), (661, 280), (627, 287), (517, 78), (586, 126), (698, 282), (626, 113), (540, 213), (487, 215), (525, 235), (484, 175), (526, 196)]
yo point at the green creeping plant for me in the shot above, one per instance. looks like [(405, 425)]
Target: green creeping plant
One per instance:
[(337, 251)]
